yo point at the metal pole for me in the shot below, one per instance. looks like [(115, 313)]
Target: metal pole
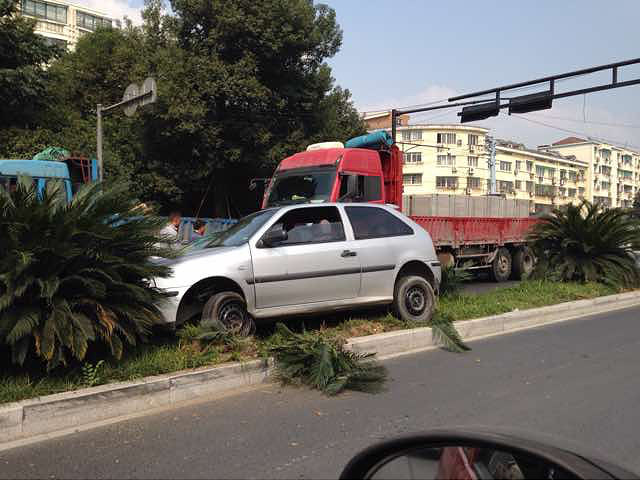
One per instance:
[(99, 142), (393, 124), (492, 165)]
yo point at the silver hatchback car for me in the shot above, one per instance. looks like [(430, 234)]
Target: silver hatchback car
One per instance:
[(302, 259)]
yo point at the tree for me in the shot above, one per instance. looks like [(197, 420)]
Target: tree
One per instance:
[(241, 86), (23, 75), (586, 243), (87, 284)]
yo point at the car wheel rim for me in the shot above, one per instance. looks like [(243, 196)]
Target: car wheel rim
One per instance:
[(233, 315), (415, 300)]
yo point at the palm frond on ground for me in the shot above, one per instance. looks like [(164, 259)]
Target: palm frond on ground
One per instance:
[(74, 275), (587, 243), (318, 360)]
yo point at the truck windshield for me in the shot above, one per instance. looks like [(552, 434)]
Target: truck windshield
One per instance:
[(240, 232), (296, 186)]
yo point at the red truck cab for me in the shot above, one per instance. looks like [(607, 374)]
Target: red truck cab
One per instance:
[(337, 174)]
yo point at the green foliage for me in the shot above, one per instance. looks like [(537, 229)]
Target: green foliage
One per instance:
[(453, 280), (241, 85), (73, 276), (444, 333), (211, 333), (23, 76), (91, 375), (587, 244), (320, 361)]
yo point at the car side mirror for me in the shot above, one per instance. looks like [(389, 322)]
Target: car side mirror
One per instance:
[(352, 187), (273, 237), (461, 454)]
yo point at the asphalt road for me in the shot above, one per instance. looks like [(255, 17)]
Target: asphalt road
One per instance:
[(577, 380)]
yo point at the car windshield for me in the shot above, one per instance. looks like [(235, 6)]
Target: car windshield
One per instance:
[(297, 186), (237, 234)]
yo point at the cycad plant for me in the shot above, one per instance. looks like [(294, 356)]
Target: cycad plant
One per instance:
[(75, 275), (320, 361), (587, 243)]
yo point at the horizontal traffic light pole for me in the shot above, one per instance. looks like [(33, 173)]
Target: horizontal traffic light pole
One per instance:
[(474, 110)]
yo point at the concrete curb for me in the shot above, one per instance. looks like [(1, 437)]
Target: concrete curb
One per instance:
[(391, 344), (57, 414)]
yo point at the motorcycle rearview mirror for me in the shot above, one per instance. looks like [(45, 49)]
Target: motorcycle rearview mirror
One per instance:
[(273, 237), (474, 455)]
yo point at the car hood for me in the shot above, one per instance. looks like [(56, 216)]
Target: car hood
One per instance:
[(217, 261)]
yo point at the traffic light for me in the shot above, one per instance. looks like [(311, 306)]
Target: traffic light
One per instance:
[(531, 102), (472, 113)]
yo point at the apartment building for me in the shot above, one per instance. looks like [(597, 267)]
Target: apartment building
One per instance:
[(381, 119), (63, 23), (454, 159), (613, 174)]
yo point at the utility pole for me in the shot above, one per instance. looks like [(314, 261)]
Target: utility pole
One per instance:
[(490, 144), (99, 143)]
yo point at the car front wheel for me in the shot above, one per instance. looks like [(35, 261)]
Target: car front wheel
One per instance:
[(414, 299), (229, 311)]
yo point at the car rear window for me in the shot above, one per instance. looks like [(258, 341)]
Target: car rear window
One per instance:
[(374, 222)]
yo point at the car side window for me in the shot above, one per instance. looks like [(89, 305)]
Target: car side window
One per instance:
[(374, 222), (311, 225)]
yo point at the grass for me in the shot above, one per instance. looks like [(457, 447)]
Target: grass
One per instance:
[(166, 353)]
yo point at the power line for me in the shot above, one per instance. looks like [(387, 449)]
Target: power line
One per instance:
[(594, 122), (589, 137)]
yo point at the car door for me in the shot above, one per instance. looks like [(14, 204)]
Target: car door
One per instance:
[(315, 264), (380, 238)]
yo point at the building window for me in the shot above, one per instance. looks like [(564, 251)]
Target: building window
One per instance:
[(504, 186), (571, 192), (529, 166), (544, 190), (473, 139), (548, 172), (573, 175), (518, 185), (58, 42), (474, 182), (529, 186), (444, 138), (412, 179), (446, 160), (411, 135), (447, 182), (505, 166), (606, 171), (91, 22), (472, 161), (413, 157), (581, 191), (48, 11)]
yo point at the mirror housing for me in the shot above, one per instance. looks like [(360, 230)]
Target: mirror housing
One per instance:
[(463, 454), (273, 237)]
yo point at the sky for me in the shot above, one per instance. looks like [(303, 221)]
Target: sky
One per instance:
[(398, 53)]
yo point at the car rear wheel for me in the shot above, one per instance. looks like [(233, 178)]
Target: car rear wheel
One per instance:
[(414, 299), (501, 265), (229, 310)]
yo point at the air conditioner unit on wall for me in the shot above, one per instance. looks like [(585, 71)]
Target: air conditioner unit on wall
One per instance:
[(516, 172), (459, 143), (470, 170), (532, 175), (468, 191), (453, 170), (530, 194)]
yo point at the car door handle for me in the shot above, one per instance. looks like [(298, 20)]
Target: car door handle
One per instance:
[(348, 253)]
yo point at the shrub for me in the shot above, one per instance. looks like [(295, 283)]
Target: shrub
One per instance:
[(586, 243), (319, 360), (452, 280), (73, 275)]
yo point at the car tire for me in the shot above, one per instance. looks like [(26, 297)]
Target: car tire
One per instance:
[(229, 310), (523, 262), (414, 299), (501, 265)]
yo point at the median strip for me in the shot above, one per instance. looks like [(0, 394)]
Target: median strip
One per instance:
[(47, 416)]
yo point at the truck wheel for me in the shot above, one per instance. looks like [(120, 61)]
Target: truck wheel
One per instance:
[(501, 265), (229, 310), (522, 263), (414, 299)]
